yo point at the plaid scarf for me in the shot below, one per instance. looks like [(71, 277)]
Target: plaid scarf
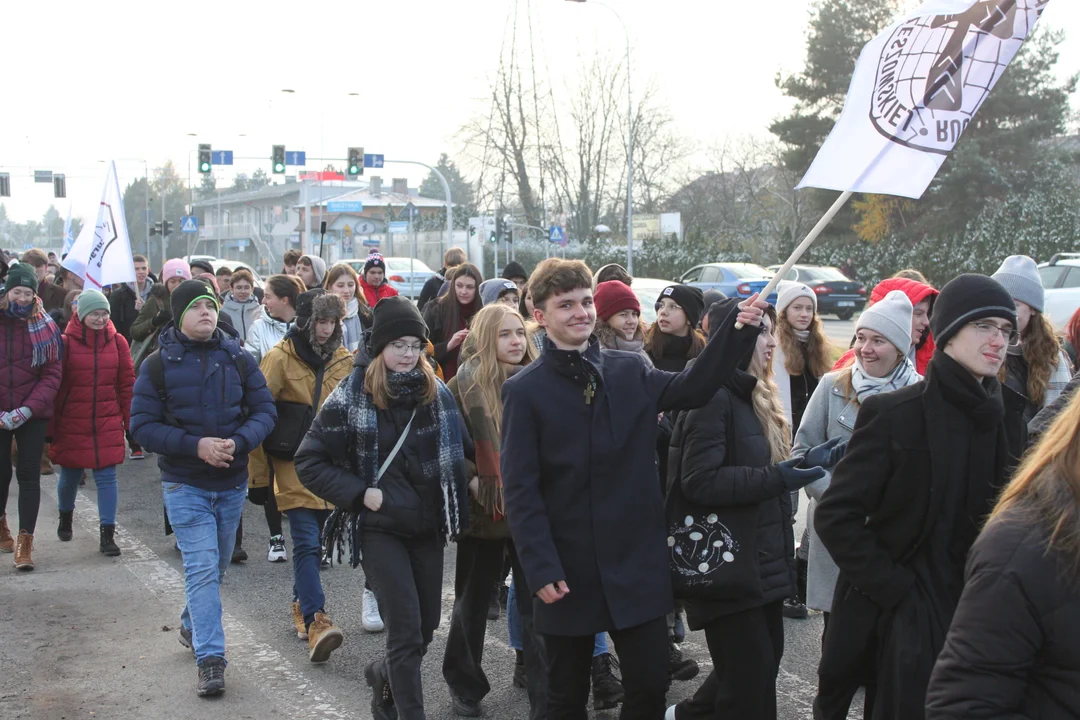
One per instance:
[(45, 336), (350, 420)]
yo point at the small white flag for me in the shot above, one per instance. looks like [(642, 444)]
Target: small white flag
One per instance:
[(916, 88), (101, 255)]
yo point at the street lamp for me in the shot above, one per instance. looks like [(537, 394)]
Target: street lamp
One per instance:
[(629, 145)]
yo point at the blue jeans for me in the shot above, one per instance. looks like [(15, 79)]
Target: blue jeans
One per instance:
[(67, 487), (513, 626), (304, 526), (205, 524)]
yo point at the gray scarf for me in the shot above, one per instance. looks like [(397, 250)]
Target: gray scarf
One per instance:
[(867, 386)]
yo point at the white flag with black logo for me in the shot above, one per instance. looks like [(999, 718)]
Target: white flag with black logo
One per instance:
[(101, 255), (916, 87)]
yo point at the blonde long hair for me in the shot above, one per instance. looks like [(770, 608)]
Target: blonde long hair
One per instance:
[(1046, 488), (377, 385), (817, 361), (480, 351), (768, 408)]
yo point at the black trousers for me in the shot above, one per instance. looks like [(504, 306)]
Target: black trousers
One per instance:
[(479, 563), (838, 682), (746, 649), (643, 657), (30, 439), (406, 576)]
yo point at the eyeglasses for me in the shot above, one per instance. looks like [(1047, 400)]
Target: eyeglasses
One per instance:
[(403, 349), (987, 332), (668, 306)]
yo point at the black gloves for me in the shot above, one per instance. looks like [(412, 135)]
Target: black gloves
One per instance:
[(258, 496), (825, 455), (162, 318), (795, 477)]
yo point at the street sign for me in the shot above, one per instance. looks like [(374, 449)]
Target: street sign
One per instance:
[(373, 161), (398, 227), (371, 242), (410, 211), (557, 235), (344, 206), (295, 157), (43, 176), (189, 224), (221, 157)]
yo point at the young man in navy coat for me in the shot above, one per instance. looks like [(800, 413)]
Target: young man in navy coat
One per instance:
[(582, 493)]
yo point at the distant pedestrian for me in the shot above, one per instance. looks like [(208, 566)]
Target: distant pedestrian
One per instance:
[(93, 412), (515, 273), (126, 301), (289, 261), (311, 269), (618, 319), (451, 259), (239, 302), (373, 281), (499, 290), (279, 312)]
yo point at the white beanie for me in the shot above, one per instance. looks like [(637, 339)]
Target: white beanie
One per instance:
[(891, 317), (788, 292), (1020, 276)]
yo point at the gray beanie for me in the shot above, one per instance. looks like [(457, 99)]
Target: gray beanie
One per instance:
[(788, 292), (891, 317), (1020, 276), (492, 290)]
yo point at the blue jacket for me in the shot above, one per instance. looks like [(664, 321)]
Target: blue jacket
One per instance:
[(206, 397)]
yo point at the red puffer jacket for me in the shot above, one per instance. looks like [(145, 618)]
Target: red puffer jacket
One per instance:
[(22, 384), (916, 292), (374, 294), (93, 407)]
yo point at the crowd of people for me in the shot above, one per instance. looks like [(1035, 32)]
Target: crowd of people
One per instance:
[(612, 483)]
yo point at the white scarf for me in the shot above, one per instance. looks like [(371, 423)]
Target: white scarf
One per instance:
[(352, 308), (867, 386)]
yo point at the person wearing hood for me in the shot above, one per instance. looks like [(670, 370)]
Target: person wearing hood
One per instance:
[(922, 297), (882, 337), (922, 470), (203, 406), (499, 290), (31, 344), (731, 462), (373, 281), (1037, 368), (304, 369), (240, 305), (388, 449), (93, 411), (612, 271), (515, 273), (311, 269), (343, 282), (618, 319), (279, 311), (448, 318)]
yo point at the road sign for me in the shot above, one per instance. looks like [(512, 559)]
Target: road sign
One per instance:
[(189, 224), (373, 161), (344, 206), (295, 157), (221, 157), (410, 211), (557, 235), (398, 227), (371, 242), (44, 176)]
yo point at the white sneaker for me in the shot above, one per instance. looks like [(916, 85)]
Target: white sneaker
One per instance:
[(670, 714), (372, 621), (277, 549)]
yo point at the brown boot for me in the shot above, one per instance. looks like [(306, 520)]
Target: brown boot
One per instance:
[(298, 621), (7, 543), (23, 548), (323, 638)]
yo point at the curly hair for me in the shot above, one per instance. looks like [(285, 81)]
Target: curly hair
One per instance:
[(1042, 353), (816, 361)]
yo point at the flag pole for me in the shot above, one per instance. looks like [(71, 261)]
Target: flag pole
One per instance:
[(803, 247)]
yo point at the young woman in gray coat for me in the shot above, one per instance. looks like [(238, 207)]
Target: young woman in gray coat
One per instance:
[(880, 366)]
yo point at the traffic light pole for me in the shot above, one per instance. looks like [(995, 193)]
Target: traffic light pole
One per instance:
[(446, 189)]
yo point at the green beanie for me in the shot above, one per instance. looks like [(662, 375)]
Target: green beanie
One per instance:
[(21, 275), (89, 301)]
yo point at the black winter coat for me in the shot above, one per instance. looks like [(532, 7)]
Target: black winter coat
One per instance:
[(719, 477), (582, 491), (1013, 650), (122, 310)]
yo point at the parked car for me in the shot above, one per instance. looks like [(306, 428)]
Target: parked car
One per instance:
[(739, 280), (1061, 281), (647, 291), (836, 293), (405, 275)]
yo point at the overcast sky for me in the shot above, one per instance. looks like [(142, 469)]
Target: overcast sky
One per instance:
[(87, 81)]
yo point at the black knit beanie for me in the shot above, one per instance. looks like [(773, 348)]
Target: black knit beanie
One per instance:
[(395, 317), (967, 298), (304, 301), (689, 298), (21, 275), (185, 295), (514, 269)]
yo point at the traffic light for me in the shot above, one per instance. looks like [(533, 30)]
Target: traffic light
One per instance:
[(277, 159), (491, 237), (499, 229), (356, 161), (204, 158), (472, 231), (166, 228), (156, 230), (5, 185), (59, 185)]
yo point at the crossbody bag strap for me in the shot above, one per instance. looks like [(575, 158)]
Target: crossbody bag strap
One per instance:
[(318, 389), (397, 447)]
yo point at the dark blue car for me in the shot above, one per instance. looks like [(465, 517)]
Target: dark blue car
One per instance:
[(739, 280)]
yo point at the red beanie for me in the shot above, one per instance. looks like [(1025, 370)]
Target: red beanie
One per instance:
[(613, 297)]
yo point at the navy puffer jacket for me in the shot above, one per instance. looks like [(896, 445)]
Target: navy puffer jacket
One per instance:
[(205, 397)]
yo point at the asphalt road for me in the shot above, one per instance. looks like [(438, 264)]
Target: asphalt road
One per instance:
[(840, 331), (85, 634)]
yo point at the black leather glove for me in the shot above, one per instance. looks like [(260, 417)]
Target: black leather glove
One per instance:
[(162, 318), (825, 455), (795, 477), (258, 496)]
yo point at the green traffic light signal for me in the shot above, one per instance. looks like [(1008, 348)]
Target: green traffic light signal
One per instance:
[(491, 238), (204, 167), (279, 167)]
